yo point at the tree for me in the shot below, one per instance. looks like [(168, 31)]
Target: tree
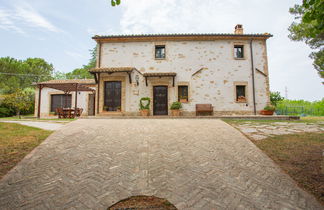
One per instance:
[(83, 73), (115, 2), (310, 29), (19, 100), (22, 73), (275, 97)]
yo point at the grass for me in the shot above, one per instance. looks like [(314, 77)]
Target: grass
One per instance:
[(36, 119), (16, 141), (301, 156)]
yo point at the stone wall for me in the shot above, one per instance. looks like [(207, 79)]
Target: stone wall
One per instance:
[(208, 67)]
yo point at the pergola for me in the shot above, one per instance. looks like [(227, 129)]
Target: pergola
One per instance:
[(66, 86)]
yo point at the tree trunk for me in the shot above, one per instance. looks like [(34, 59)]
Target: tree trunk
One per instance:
[(18, 114)]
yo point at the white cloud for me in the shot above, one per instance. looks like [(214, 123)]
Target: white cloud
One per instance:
[(74, 55), (23, 15)]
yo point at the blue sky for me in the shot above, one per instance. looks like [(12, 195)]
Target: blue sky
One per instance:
[(60, 31)]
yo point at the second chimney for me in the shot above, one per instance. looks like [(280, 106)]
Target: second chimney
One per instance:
[(238, 29)]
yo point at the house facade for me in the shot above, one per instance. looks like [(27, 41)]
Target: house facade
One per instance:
[(229, 71)]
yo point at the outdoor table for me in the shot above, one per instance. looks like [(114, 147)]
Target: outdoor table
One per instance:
[(69, 113)]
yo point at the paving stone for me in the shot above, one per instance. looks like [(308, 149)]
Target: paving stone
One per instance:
[(193, 163)]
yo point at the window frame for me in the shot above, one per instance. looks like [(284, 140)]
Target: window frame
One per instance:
[(63, 100), (181, 86), (245, 84), (159, 46), (243, 51)]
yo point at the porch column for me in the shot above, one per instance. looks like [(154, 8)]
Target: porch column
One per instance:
[(76, 98), (39, 99), (98, 91)]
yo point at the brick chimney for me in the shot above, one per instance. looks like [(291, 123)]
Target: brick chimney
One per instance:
[(238, 29)]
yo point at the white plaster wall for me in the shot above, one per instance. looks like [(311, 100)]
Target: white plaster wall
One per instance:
[(214, 84), (46, 100)]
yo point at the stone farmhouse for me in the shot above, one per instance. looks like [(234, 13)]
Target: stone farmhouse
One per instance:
[(229, 71)]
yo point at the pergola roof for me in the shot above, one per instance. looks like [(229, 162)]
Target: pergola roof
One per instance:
[(112, 69), (68, 85)]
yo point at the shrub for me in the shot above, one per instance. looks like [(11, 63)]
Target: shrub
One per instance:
[(6, 112), (176, 105), (269, 108)]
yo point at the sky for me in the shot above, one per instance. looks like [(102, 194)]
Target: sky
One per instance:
[(60, 31)]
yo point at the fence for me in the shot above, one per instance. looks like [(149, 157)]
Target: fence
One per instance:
[(300, 110)]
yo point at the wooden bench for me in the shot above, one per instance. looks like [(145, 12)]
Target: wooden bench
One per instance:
[(204, 108)]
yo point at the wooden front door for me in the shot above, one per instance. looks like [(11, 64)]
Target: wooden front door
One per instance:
[(160, 100), (112, 96)]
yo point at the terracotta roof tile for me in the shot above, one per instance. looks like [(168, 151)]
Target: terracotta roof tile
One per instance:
[(112, 69)]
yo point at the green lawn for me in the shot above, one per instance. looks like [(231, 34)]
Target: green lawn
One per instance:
[(36, 119), (16, 141)]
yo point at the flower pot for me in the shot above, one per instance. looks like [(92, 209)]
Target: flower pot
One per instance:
[(266, 112), (175, 112), (145, 112), (241, 100), (183, 100)]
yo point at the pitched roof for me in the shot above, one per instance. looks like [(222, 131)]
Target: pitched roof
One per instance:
[(180, 37), (69, 81)]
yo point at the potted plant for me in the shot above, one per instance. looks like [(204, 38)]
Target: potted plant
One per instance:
[(175, 108), (241, 99), (145, 106), (183, 99), (118, 108), (268, 110)]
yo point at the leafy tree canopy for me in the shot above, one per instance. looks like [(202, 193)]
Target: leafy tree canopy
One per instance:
[(275, 97), (310, 28), (115, 2), (20, 100), (20, 74)]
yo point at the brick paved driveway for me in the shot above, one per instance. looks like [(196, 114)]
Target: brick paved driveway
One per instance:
[(194, 163)]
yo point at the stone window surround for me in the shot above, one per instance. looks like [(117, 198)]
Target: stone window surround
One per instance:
[(183, 84), (165, 50), (244, 44), (241, 83)]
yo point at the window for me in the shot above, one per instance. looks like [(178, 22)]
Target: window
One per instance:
[(60, 101), (240, 93), (160, 51), (183, 93), (238, 51)]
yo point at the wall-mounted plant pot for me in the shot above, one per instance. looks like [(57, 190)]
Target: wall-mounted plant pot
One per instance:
[(175, 112), (183, 100), (266, 112), (145, 112)]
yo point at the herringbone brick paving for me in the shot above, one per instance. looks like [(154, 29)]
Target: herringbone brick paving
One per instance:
[(193, 163)]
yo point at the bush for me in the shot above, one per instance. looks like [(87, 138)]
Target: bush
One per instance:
[(176, 105), (269, 108), (6, 112)]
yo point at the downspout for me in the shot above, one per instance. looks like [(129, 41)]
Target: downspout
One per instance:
[(253, 82)]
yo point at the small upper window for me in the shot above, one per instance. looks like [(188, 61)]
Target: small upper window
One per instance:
[(183, 93), (238, 51), (240, 93), (160, 51)]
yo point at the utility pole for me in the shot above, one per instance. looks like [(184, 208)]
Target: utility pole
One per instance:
[(286, 92)]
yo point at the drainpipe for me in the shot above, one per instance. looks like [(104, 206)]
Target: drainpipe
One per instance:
[(253, 83)]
